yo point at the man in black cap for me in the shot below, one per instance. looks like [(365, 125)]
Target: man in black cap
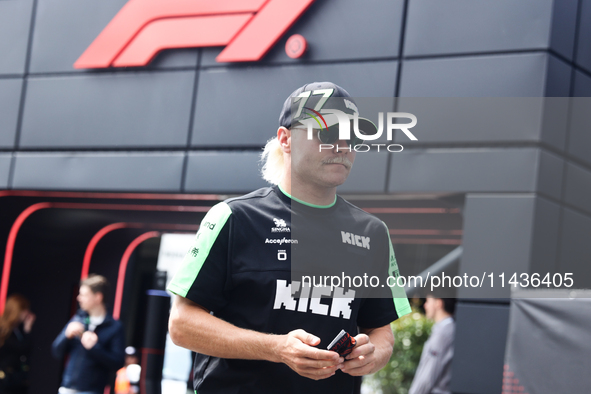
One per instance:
[(256, 325)]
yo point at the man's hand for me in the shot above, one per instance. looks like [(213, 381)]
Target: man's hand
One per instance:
[(297, 352), (74, 329), (29, 321), (89, 339), (361, 361)]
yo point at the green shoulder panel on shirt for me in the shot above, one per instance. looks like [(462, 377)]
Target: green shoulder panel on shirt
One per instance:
[(398, 293), (210, 228)]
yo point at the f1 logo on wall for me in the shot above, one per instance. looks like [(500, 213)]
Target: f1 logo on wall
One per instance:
[(248, 29)]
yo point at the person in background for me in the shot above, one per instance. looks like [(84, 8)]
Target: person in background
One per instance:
[(128, 377), (94, 341), (433, 374), (15, 345)]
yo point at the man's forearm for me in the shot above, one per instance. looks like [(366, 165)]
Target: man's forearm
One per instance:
[(383, 340), (194, 328)]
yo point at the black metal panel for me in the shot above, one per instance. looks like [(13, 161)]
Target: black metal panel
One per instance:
[(459, 26), (578, 187), (65, 28), (546, 235), (579, 142), (240, 106), (485, 120), (119, 110), (583, 57), (463, 170), (498, 232), (479, 348), (99, 171), (5, 159), (10, 97), (558, 77), (575, 248), (339, 30), (15, 22), (564, 24), (223, 172), (550, 173), (519, 75)]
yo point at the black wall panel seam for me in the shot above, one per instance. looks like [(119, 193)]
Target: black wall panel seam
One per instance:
[(191, 121), (398, 82), (109, 71), (247, 65), (567, 136), (21, 109), (560, 203), (476, 54), (576, 45), (292, 64), (496, 145)]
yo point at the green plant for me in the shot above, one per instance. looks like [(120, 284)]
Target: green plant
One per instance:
[(410, 334)]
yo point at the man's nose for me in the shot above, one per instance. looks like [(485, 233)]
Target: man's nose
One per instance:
[(343, 146)]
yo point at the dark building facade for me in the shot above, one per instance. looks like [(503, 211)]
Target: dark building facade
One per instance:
[(152, 147)]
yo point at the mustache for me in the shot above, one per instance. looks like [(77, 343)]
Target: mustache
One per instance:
[(339, 160)]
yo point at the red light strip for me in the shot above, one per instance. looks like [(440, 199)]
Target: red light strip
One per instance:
[(115, 226), (425, 232), (426, 241), (10, 248), (92, 244), (43, 205), (125, 196), (412, 210), (123, 268)]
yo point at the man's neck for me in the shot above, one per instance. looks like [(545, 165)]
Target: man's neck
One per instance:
[(308, 193), (98, 311), (441, 315)]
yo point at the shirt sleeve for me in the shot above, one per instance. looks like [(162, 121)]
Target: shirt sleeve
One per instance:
[(434, 360), (203, 274), (377, 312)]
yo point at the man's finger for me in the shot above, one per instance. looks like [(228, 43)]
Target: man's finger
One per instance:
[(362, 350), (361, 370), (358, 362), (319, 364), (306, 338), (321, 373), (361, 339), (319, 354)]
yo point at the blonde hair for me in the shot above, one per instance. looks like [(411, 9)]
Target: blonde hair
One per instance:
[(272, 158)]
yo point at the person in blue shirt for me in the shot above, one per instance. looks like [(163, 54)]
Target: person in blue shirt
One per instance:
[(94, 341)]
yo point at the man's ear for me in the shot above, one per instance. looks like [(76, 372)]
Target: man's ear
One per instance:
[(284, 138), (439, 304)]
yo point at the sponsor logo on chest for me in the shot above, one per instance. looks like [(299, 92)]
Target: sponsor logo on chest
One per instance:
[(354, 239), (280, 226), (316, 300)]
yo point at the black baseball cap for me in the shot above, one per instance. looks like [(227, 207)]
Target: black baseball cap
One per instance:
[(302, 108)]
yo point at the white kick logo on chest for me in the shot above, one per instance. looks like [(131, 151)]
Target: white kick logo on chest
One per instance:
[(357, 240), (339, 300)]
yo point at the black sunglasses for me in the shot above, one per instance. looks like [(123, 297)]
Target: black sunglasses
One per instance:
[(330, 135)]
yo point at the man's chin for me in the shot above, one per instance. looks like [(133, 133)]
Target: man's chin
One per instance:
[(336, 179)]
